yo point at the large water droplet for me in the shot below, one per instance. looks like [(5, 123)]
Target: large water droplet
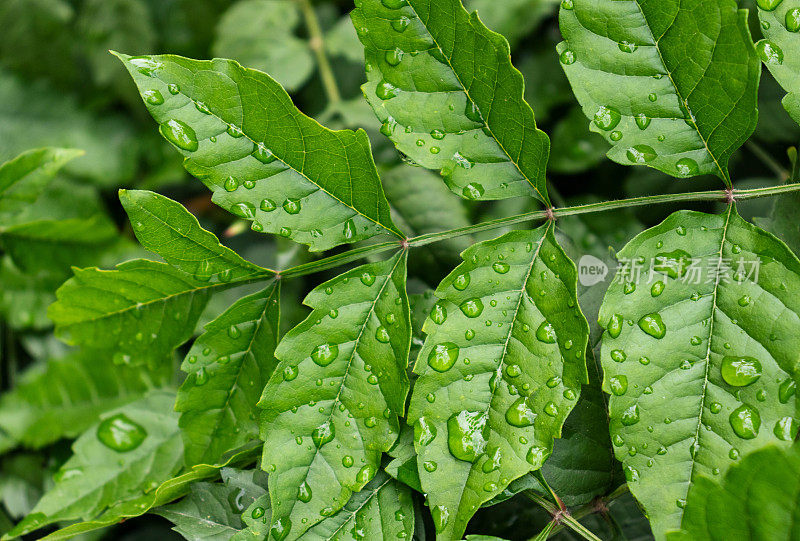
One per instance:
[(793, 20), (473, 191), (323, 434), (153, 97), (472, 308), (786, 390), (674, 264), (382, 335), (630, 416), (687, 167), (325, 354), (386, 90), (740, 371), (607, 118), (440, 516), (424, 432), (546, 333), (520, 414), (443, 356), (438, 313), (615, 325), (745, 421), (120, 433), (641, 154), (461, 282), (281, 528), (768, 5), (653, 325), (466, 435), (769, 52), (618, 384), (179, 134), (785, 429), (304, 492), (394, 56)]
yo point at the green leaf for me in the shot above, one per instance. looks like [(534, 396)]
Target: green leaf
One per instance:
[(699, 350), (757, 499), (780, 50), (167, 491), (575, 148), (24, 297), (264, 160), (213, 511), (670, 84), (141, 311), (25, 177), (132, 448), (501, 369), (381, 510), (56, 245), (166, 228), (261, 34), (782, 220), (63, 397), (513, 18), (228, 367), (403, 465), (332, 405), (458, 106)]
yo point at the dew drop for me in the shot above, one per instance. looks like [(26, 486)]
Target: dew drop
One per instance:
[(472, 308), (466, 435), (745, 421), (325, 354), (740, 371), (520, 414), (546, 333), (120, 433), (179, 134), (443, 356)]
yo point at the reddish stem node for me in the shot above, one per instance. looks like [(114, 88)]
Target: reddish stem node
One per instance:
[(729, 197), (550, 213), (404, 244)]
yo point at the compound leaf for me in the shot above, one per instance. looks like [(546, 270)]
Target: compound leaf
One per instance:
[(757, 499), (141, 310), (25, 177), (130, 449), (381, 510), (780, 48), (500, 370), (444, 87), (228, 366), (63, 397), (332, 405), (265, 161), (702, 333), (671, 84), (166, 228)]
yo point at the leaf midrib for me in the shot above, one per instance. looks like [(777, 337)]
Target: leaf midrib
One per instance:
[(469, 97), (301, 173)]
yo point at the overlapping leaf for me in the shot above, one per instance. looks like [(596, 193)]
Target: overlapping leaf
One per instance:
[(780, 48), (63, 397), (228, 366), (25, 177), (140, 311), (444, 88), (756, 500), (499, 372), (332, 405), (702, 333), (672, 84), (381, 510), (166, 228), (264, 160), (131, 449), (513, 18)]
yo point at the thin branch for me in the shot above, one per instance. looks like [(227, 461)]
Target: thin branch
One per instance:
[(317, 44)]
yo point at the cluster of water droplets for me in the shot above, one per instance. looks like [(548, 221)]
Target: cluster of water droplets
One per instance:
[(769, 52)]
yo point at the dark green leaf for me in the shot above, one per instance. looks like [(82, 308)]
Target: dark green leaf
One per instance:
[(501, 369), (332, 405), (166, 228), (264, 160), (698, 354), (228, 366), (513, 18), (140, 311), (671, 84), (457, 106)]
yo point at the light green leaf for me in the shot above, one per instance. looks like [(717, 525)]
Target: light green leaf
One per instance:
[(25, 177), (33, 115), (501, 369), (341, 40), (141, 311), (166, 228), (757, 500), (458, 105), (672, 85), (257, 519), (261, 34), (513, 18), (332, 405), (63, 397), (132, 448), (381, 510), (167, 491), (228, 366), (264, 160), (403, 465), (699, 350), (24, 297), (780, 48), (56, 245), (214, 511)]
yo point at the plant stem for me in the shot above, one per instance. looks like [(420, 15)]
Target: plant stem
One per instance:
[(768, 160), (317, 44), (563, 517), (430, 238)]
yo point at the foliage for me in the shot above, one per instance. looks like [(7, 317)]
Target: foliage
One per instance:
[(469, 361)]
